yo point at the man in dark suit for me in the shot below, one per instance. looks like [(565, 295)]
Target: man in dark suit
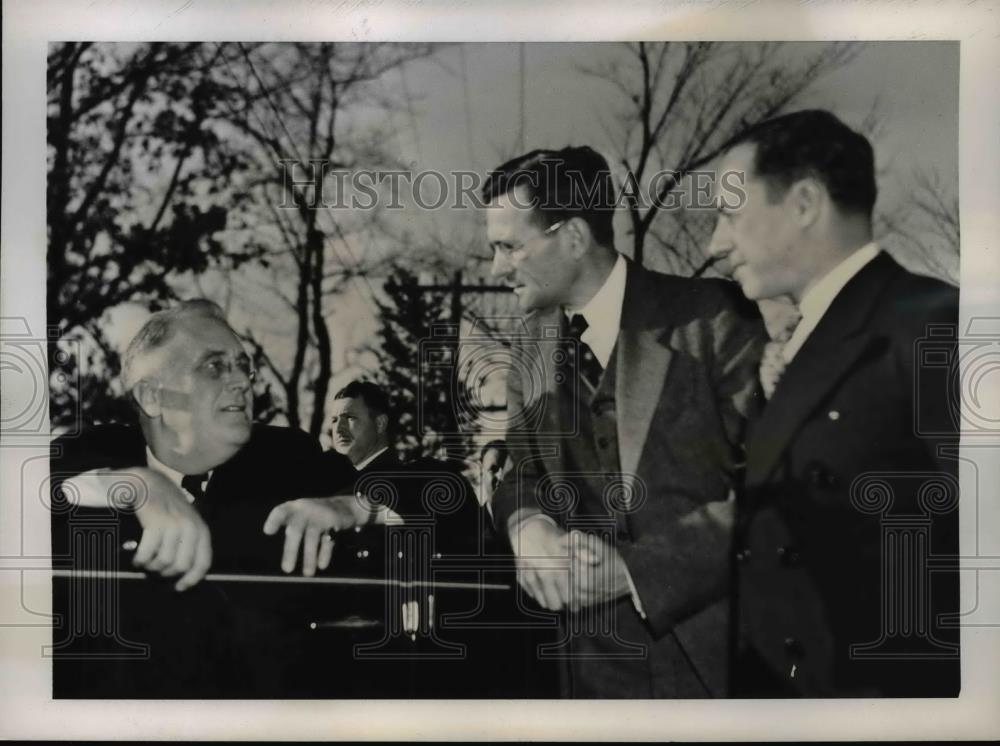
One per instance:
[(382, 489), (846, 501), (626, 400), (188, 489), (493, 458), (421, 511)]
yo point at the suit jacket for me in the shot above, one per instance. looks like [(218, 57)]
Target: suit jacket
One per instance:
[(213, 640), (338, 472), (427, 491), (851, 476), (238, 496), (685, 377)]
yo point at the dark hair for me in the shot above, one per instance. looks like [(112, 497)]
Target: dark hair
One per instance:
[(561, 184), (370, 393), (815, 143), (499, 446)]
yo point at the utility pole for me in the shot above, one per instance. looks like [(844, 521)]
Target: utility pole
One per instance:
[(457, 290)]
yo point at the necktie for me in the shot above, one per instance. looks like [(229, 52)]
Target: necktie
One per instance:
[(193, 484), (587, 364), (772, 363)]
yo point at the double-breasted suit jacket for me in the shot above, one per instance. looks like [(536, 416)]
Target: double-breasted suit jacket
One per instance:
[(851, 490)]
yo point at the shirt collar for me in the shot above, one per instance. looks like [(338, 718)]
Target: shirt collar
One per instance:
[(603, 313), (371, 458), (172, 474), (819, 297)]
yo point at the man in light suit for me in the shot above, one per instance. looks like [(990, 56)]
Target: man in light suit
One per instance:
[(626, 402), (851, 485)]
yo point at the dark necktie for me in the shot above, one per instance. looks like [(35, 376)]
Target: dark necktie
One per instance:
[(193, 484), (587, 364)]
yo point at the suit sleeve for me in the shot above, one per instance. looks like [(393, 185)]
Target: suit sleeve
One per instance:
[(515, 496)]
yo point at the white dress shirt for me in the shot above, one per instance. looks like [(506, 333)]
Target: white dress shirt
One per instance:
[(371, 458), (603, 313), (818, 298), (172, 474)]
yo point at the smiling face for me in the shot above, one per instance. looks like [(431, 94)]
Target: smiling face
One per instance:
[(538, 265), (203, 407), (759, 240), (357, 432)]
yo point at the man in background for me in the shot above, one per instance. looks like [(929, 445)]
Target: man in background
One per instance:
[(855, 436), (492, 463), (384, 490)]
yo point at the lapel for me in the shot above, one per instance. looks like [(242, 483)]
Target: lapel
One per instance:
[(828, 354), (643, 361)]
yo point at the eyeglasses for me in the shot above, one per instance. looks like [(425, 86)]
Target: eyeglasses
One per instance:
[(219, 367), (508, 249)]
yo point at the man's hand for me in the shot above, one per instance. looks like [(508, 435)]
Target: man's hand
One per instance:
[(542, 560), (175, 538), (597, 571), (307, 521), (566, 570)]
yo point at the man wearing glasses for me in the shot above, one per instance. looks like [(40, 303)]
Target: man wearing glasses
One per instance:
[(627, 398), (189, 490)]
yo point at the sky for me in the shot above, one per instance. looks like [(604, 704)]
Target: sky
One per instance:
[(474, 123), (465, 115)]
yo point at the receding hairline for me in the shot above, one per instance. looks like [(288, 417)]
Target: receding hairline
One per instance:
[(158, 331)]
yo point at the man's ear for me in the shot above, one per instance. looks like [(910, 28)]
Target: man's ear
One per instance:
[(381, 423), (807, 197), (147, 397), (580, 235)]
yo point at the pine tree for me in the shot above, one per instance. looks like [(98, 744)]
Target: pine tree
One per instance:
[(418, 354)]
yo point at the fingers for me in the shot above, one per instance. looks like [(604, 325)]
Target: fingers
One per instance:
[(201, 562), (549, 587), (293, 537), (528, 580), (584, 579), (276, 519), (325, 551), (555, 589), (310, 548), (185, 548), (584, 548), (176, 546), (149, 545)]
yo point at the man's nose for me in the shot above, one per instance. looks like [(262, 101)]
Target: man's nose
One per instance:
[(501, 266), (720, 244)]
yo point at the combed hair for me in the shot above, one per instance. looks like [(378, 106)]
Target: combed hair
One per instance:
[(500, 446), (371, 394), (159, 329), (814, 143), (561, 184)]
